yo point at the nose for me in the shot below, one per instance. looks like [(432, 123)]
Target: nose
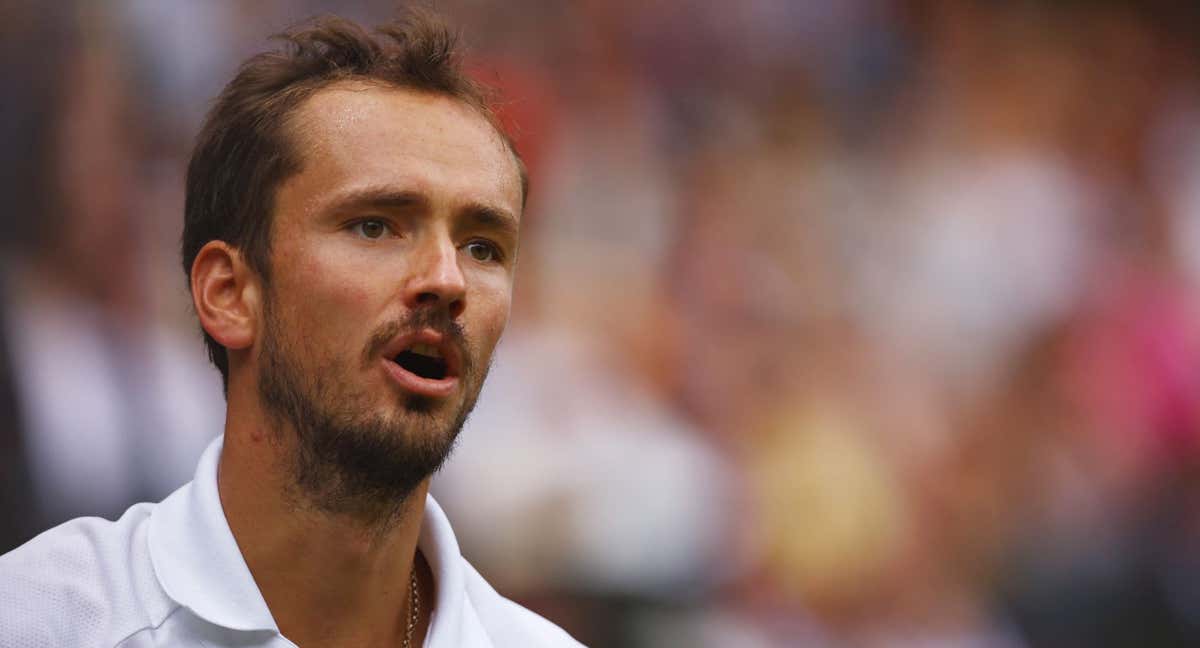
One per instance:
[(436, 280)]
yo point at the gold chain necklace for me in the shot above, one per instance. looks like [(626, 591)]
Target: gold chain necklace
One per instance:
[(414, 607)]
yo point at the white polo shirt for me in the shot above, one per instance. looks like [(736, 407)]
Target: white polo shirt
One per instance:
[(171, 574)]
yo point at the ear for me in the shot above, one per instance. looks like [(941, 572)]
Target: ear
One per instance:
[(225, 292)]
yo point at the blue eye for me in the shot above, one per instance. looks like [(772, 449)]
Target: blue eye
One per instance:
[(370, 229), (483, 251)]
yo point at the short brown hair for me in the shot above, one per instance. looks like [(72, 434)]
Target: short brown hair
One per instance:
[(243, 154)]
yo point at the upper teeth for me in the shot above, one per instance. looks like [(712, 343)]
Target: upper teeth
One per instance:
[(426, 350)]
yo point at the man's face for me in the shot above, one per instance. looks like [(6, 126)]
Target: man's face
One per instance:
[(392, 258)]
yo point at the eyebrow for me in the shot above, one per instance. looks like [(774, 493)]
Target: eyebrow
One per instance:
[(381, 197), (487, 217), (477, 214)]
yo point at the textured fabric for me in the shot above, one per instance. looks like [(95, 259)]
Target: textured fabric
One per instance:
[(171, 574)]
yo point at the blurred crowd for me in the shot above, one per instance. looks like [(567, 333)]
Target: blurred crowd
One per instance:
[(838, 322)]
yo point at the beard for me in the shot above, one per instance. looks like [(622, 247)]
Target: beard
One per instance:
[(345, 456)]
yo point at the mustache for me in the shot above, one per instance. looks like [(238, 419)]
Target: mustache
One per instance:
[(437, 320)]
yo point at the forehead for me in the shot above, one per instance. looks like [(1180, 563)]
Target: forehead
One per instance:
[(358, 134)]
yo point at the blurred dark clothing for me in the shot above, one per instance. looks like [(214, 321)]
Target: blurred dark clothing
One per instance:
[(18, 520), (1134, 585)]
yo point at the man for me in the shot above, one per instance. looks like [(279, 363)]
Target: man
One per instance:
[(350, 238)]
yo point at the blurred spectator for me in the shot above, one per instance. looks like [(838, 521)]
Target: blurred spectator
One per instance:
[(112, 407)]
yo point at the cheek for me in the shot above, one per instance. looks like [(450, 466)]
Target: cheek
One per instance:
[(327, 305), (327, 275), (492, 305)]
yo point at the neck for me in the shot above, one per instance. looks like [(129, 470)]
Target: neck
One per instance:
[(328, 580)]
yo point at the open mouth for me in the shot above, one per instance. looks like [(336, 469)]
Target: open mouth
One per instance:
[(424, 360), (424, 363)]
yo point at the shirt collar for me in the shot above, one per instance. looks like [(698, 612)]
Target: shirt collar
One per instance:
[(196, 558), (440, 548), (200, 567)]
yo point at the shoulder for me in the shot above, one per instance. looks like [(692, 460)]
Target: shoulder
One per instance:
[(509, 624), (88, 582)]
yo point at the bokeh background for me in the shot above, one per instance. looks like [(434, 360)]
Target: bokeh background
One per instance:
[(838, 323)]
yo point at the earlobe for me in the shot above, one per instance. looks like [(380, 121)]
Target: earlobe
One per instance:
[(225, 295)]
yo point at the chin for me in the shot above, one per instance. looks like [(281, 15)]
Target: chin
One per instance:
[(422, 404)]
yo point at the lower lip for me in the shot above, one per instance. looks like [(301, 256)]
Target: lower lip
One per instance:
[(411, 382)]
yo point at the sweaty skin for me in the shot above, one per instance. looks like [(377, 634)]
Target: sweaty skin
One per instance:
[(449, 242)]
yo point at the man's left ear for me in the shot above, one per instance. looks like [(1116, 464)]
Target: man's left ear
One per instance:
[(225, 293)]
